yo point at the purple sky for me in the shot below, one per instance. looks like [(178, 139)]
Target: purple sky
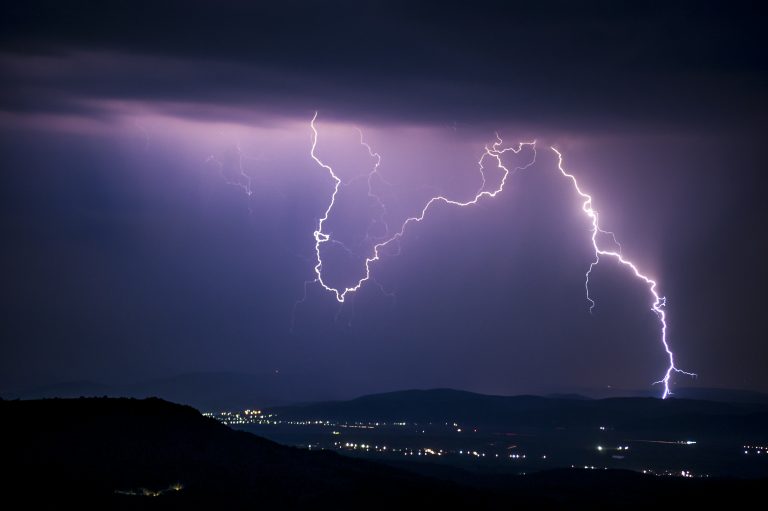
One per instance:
[(132, 250)]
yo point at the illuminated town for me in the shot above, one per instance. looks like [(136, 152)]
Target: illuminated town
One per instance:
[(463, 445)]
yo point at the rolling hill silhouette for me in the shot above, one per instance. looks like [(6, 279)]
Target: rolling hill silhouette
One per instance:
[(127, 453)]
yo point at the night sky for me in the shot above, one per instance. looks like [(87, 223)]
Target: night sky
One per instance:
[(131, 134)]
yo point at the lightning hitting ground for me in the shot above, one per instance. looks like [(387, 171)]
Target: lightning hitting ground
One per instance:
[(495, 152)]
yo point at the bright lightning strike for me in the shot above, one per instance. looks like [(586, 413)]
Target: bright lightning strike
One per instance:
[(495, 151), (321, 237), (659, 301)]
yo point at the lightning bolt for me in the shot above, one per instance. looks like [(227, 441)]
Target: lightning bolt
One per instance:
[(495, 151), (659, 302), (322, 237)]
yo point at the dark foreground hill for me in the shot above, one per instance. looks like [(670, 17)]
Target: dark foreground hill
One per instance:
[(124, 453)]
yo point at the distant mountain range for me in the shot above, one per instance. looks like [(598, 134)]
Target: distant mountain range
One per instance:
[(705, 394), (207, 391), (216, 391), (136, 454), (674, 415)]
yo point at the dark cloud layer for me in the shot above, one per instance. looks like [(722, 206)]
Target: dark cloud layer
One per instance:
[(579, 64)]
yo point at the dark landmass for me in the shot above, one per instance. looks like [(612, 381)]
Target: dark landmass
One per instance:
[(723, 395), (700, 393), (225, 390), (522, 413), (99, 450), (126, 453), (524, 434)]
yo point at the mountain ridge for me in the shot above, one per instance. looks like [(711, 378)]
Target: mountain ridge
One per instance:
[(526, 411)]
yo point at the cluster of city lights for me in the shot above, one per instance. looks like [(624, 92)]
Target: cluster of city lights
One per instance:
[(755, 449)]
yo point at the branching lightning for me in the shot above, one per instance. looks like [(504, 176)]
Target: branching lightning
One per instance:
[(321, 237), (495, 151), (243, 180), (231, 168), (659, 302), (371, 194)]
